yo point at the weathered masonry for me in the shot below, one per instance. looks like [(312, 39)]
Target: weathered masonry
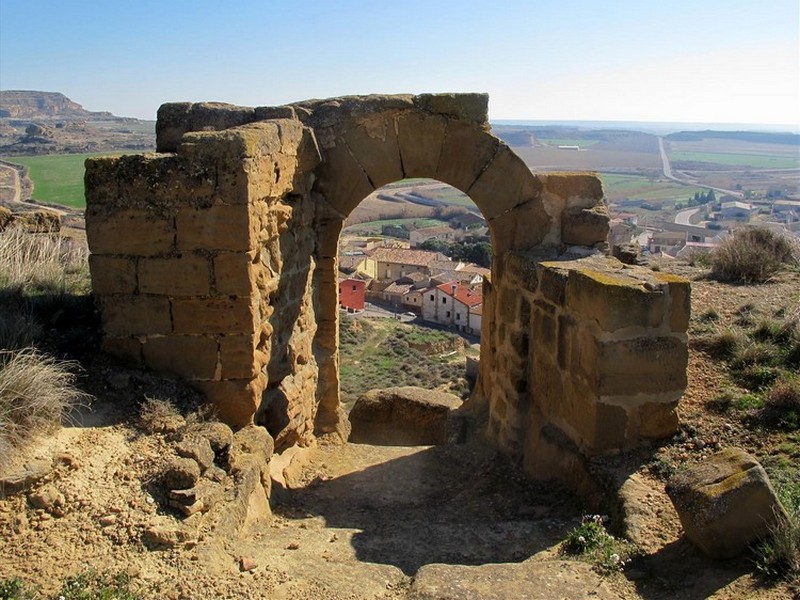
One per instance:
[(216, 260)]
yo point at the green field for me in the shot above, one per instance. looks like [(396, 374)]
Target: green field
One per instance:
[(583, 143), (374, 227), (57, 178), (758, 161), (620, 187)]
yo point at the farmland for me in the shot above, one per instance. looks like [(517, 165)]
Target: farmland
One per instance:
[(728, 159), (57, 178)]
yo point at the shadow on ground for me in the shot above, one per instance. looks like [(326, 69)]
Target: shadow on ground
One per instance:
[(458, 505)]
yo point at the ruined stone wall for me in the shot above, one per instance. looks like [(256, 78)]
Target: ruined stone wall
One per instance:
[(587, 354), (216, 260), (195, 254)]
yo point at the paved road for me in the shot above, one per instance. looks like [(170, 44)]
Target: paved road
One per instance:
[(684, 217), (667, 168)]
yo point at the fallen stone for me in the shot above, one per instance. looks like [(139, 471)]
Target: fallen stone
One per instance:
[(164, 535), (219, 435), (49, 499), (629, 254), (198, 449), (247, 564), (725, 502), (181, 473), (21, 480), (201, 498), (402, 416)]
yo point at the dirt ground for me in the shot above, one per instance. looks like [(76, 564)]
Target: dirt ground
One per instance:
[(368, 522)]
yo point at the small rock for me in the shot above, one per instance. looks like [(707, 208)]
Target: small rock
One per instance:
[(107, 520), (247, 564), (197, 448), (66, 459), (181, 473), (293, 546), (219, 435), (47, 498), (165, 535), (214, 473)]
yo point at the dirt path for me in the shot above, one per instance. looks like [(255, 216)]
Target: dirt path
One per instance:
[(10, 189)]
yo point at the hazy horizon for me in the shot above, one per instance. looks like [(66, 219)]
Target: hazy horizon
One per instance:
[(719, 61)]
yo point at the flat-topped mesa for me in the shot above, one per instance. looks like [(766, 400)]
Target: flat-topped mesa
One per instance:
[(216, 261)]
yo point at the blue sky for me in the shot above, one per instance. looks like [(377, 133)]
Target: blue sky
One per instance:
[(682, 60)]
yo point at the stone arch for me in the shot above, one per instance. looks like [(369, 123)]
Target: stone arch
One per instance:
[(216, 260)]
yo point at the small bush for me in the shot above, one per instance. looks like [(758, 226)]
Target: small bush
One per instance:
[(15, 589), (752, 255), (782, 404), (36, 391), (158, 416), (778, 556), (709, 315), (756, 353), (593, 543), (98, 586)]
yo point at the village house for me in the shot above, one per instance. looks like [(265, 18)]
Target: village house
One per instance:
[(736, 211), (667, 242), (450, 304), (351, 294), (467, 220), (424, 234), (393, 263)]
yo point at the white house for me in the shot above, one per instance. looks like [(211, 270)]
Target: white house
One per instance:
[(450, 304)]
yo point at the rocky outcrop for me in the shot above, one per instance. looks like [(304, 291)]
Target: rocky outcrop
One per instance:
[(404, 416), (18, 104), (725, 502)]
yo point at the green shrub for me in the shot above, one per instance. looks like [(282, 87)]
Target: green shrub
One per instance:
[(15, 589), (778, 555), (752, 255), (723, 343), (98, 586), (591, 542)]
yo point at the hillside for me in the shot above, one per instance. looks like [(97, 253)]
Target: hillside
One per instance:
[(34, 123), (23, 104)]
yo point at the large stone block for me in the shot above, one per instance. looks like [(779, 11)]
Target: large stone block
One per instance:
[(644, 365), (342, 181), (219, 227), (135, 315), (186, 275), (129, 232), (420, 138), (374, 146), (581, 190), (404, 416), (725, 502), (213, 315), (613, 297), (176, 118), (235, 401), (238, 357), (190, 357), (112, 275), (233, 274), (584, 226), (466, 151), (507, 183), (464, 107)]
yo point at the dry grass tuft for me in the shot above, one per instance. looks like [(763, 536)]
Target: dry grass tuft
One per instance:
[(36, 391), (159, 416), (38, 262)]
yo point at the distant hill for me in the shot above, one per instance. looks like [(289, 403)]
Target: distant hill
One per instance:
[(19, 104), (759, 137), (34, 122)]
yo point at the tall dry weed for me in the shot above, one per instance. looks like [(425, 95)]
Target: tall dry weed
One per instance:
[(37, 262)]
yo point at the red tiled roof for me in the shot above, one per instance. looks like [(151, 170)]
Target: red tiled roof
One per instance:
[(462, 293), (406, 257)]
